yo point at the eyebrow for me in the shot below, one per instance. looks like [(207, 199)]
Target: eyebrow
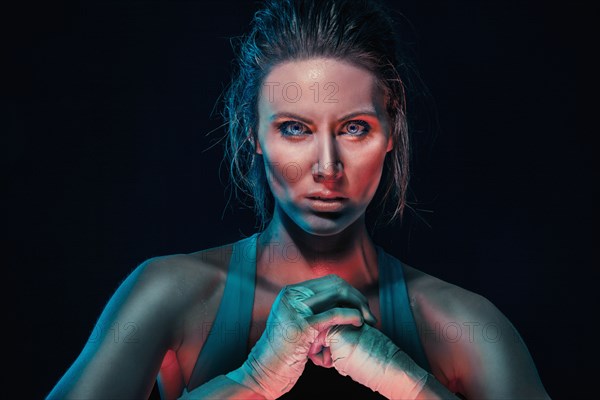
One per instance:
[(308, 121)]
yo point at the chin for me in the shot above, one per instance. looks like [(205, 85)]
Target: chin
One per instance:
[(325, 224)]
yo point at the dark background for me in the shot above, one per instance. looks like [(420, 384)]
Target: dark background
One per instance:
[(110, 156)]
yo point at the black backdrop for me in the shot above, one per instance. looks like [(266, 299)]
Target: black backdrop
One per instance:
[(108, 159)]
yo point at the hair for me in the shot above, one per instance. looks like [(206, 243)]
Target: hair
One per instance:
[(358, 32)]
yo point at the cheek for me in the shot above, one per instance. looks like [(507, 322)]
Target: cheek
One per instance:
[(287, 167), (365, 175), (283, 169)]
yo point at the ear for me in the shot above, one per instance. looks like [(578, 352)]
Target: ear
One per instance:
[(255, 143), (390, 144)]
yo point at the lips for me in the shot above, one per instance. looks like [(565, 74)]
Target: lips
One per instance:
[(327, 195), (327, 199), (333, 204)]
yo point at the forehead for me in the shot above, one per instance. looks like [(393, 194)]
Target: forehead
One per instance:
[(319, 86)]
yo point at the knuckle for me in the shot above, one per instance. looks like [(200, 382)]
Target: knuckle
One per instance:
[(286, 292), (287, 288), (342, 291), (337, 295)]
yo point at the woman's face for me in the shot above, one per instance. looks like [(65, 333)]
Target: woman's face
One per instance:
[(322, 131)]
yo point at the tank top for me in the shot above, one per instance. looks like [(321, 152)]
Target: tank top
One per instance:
[(225, 348)]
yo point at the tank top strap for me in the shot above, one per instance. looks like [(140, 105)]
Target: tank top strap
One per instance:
[(397, 319), (225, 348)]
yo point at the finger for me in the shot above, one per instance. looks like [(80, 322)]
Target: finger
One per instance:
[(338, 296), (323, 358), (326, 282), (319, 342), (332, 281), (333, 295), (335, 316), (347, 293), (326, 355), (317, 359)]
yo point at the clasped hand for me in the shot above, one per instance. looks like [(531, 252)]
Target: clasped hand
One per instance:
[(307, 320)]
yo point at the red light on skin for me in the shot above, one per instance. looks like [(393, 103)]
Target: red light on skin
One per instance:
[(169, 359), (171, 375)]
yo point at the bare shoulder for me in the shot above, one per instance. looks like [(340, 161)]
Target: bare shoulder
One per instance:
[(192, 275), (171, 285), (462, 331), (452, 314), (443, 298), (195, 283)]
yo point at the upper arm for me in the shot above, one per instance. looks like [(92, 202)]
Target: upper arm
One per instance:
[(493, 361), (124, 352)]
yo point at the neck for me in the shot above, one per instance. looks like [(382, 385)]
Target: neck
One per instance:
[(289, 254)]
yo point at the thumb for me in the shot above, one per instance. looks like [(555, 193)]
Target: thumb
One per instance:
[(319, 352), (323, 358)]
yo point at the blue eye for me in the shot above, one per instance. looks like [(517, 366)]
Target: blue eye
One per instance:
[(292, 128), (353, 128)]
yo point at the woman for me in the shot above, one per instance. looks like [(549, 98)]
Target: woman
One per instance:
[(316, 113)]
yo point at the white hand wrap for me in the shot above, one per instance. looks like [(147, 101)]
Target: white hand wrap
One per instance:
[(278, 359), (372, 359)]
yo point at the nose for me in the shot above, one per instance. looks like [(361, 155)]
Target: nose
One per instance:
[(328, 166)]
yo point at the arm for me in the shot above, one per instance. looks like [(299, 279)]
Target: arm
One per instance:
[(483, 356), (496, 362), (123, 355), (222, 387), (434, 390)]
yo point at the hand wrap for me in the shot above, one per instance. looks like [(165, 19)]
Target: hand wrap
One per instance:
[(278, 359), (372, 359)]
